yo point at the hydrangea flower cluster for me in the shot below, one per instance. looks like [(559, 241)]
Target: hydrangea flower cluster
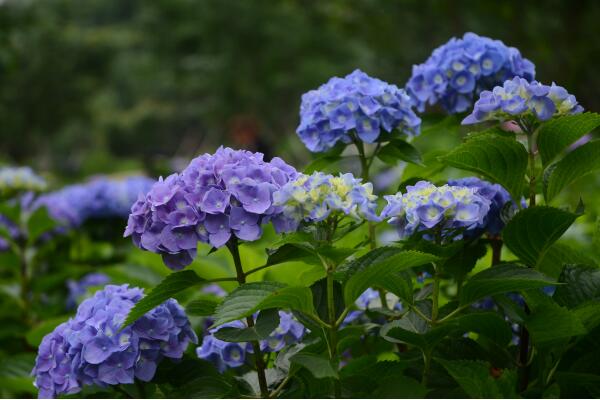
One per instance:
[(89, 349), (97, 199), (449, 209), (78, 288), (355, 103), (498, 197), (519, 97), (218, 196), (370, 299), (20, 179), (312, 198), (459, 70), (231, 355), (11, 229)]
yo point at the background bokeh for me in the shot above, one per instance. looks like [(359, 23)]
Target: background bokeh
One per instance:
[(102, 86)]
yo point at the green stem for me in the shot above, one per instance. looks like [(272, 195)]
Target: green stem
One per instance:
[(426, 366), (496, 244), (435, 297), (532, 175), (232, 245), (24, 275), (332, 328)]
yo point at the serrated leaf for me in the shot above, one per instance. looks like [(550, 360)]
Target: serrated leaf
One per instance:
[(549, 322), (473, 377), (170, 286), (557, 134), (531, 232), (488, 324), (266, 323), (500, 159), (293, 252), (319, 366), (377, 272), (502, 279), (580, 162), (203, 307), (397, 150), (582, 284), (251, 297), (557, 256), (412, 329)]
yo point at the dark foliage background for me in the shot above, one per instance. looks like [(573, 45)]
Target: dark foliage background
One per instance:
[(108, 85)]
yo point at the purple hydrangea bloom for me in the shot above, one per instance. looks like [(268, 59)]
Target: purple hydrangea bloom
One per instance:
[(226, 355), (449, 209), (313, 198), (459, 70), (355, 105), (215, 290), (217, 197), (15, 180), (518, 97), (370, 298), (89, 349), (11, 229), (97, 199), (498, 197), (80, 287)]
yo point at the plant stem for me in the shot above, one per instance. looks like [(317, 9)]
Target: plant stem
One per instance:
[(426, 367), (332, 328), (532, 177), (435, 296), (232, 245), (24, 275), (496, 244)]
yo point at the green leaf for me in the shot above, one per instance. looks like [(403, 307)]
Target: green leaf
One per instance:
[(170, 286), (399, 284), (267, 322), (500, 159), (557, 134), (205, 387), (38, 223), (399, 150), (533, 230), (34, 336), (377, 272), (549, 322), (464, 260), (319, 366), (319, 293), (579, 162), (412, 329), (582, 284), (203, 307), (251, 297), (502, 279), (488, 324), (399, 387), (293, 252), (322, 164), (474, 378), (557, 256), (15, 373)]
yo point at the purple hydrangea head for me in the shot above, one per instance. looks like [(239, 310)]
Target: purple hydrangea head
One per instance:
[(226, 355), (79, 288), (14, 180), (518, 98), (214, 290), (11, 229), (90, 349), (447, 210), (498, 197), (217, 197), (369, 299), (313, 198), (459, 70), (354, 107), (98, 199)]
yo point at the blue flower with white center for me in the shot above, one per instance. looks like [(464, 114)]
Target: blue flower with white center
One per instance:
[(458, 71), (519, 98), (226, 355), (90, 349), (356, 107), (313, 198), (445, 212), (217, 197)]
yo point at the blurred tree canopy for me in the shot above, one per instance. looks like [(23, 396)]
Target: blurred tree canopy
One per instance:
[(103, 85)]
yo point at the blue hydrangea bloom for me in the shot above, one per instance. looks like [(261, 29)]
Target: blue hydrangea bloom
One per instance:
[(459, 70), (89, 349), (518, 98), (97, 199), (354, 105), (11, 229), (218, 196), (370, 298), (79, 288), (498, 197), (313, 198), (449, 209), (226, 355), (14, 180)]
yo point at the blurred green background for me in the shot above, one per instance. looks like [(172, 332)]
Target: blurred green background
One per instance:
[(109, 85)]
